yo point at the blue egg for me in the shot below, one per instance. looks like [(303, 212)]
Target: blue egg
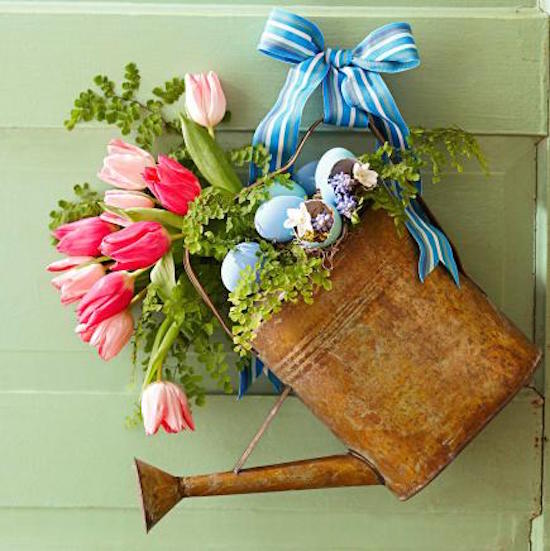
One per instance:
[(324, 168), (271, 215), (295, 190), (236, 260), (305, 176), (332, 236)]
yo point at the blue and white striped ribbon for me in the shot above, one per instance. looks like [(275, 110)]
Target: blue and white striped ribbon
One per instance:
[(353, 88)]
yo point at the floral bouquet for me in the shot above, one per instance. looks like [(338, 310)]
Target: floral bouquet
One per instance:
[(177, 193)]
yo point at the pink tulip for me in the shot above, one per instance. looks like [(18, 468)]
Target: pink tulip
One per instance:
[(124, 165), (139, 245), (107, 297), (204, 98), (165, 404), (111, 335), (75, 283), (82, 237), (124, 200), (172, 184), (67, 263)]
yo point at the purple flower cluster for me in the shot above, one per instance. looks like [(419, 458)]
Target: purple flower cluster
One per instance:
[(344, 185), (322, 222)]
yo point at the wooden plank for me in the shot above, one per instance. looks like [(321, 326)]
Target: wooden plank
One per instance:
[(344, 3), (481, 83), (84, 457), (250, 530), (497, 250)]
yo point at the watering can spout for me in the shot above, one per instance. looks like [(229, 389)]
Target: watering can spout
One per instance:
[(161, 491)]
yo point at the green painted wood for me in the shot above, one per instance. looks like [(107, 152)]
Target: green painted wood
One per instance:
[(517, 4), (502, 464), (83, 475), (491, 221), (499, 66), (65, 472), (245, 530)]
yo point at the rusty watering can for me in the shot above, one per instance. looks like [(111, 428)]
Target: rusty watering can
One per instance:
[(404, 373)]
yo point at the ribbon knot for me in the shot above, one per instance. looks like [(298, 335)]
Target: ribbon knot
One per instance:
[(338, 58)]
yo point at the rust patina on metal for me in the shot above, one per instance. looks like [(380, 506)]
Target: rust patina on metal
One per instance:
[(161, 491), (404, 373)]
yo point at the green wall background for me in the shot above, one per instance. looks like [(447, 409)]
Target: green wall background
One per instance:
[(66, 478)]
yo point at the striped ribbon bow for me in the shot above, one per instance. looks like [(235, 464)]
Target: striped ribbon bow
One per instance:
[(352, 89)]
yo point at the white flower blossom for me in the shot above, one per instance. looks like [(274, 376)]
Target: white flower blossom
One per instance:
[(362, 173), (300, 219)]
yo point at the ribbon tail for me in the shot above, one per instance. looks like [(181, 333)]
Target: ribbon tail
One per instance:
[(433, 245), (251, 372), (279, 130)]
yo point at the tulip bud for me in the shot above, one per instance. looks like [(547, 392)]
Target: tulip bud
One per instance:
[(204, 99), (83, 237), (137, 246), (67, 263), (172, 184), (124, 165), (124, 200), (75, 283), (164, 404), (112, 334)]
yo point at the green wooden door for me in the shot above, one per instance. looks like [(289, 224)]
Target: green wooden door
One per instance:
[(66, 478)]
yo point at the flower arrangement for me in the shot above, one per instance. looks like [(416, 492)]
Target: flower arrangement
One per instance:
[(252, 247)]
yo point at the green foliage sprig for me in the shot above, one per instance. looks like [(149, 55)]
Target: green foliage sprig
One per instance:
[(439, 148), (257, 154), (146, 119), (85, 205), (435, 150), (284, 275)]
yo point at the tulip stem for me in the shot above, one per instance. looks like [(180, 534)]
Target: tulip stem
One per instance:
[(176, 236), (164, 339), (139, 296), (136, 273), (211, 131)]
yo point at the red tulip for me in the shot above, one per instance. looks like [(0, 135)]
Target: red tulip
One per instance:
[(75, 283), (83, 237), (107, 297), (111, 335), (172, 184), (137, 246), (164, 404)]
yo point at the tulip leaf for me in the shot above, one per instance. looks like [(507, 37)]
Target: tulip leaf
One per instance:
[(210, 158), (164, 217), (163, 275)]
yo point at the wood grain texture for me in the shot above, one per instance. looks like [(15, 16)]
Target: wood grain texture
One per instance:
[(501, 63)]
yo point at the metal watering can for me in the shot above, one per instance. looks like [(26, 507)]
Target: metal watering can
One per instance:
[(404, 373)]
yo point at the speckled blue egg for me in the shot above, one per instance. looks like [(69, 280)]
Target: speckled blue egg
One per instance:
[(295, 190), (271, 215), (236, 260), (305, 176), (324, 168), (332, 236)]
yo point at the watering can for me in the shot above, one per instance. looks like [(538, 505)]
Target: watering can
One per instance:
[(403, 373)]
